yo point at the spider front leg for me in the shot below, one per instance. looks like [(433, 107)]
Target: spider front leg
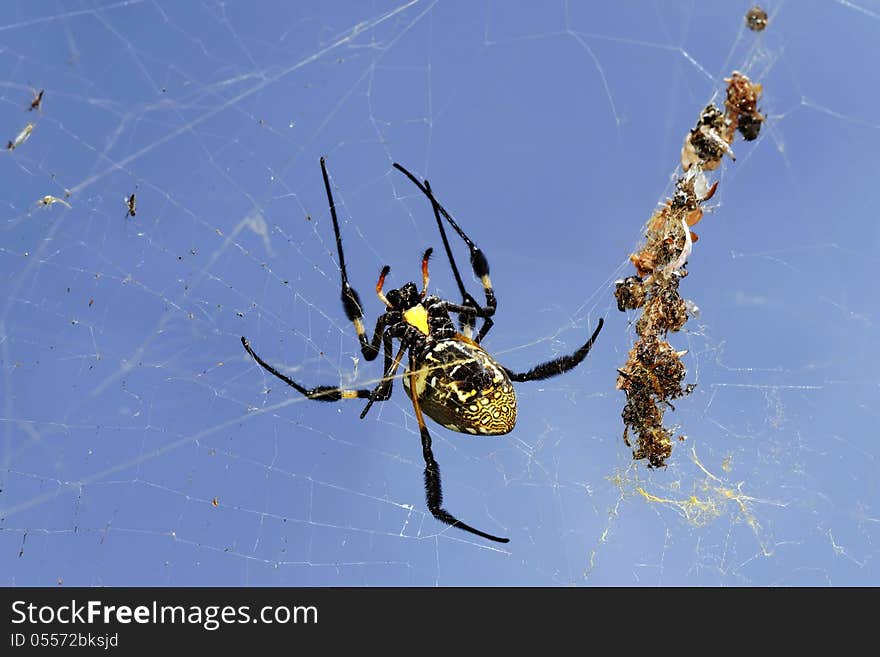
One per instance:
[(479, 264), (351, 301), (467, 320), (433, 489), (557, 365)]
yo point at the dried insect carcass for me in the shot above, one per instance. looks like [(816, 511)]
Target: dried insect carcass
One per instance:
[(669, 238), (652, 376), (630, 293), (707, 143), (742, 106)]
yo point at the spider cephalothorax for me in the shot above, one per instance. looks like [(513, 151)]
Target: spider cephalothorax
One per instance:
[(449, 376)]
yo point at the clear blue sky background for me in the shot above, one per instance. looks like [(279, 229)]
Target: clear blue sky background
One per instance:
[(140, 444)]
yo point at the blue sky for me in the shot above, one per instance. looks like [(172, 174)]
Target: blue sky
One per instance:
[(140, 444)]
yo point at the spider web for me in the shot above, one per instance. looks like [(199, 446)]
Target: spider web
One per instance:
[(140, 444)]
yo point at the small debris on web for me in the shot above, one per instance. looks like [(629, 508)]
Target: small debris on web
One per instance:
[(131, 205), (756, 19), (654, 375), (20, 138), (37, 100), (52, 200)]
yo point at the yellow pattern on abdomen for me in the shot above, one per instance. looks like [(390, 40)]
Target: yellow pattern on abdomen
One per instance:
[(461, 387)]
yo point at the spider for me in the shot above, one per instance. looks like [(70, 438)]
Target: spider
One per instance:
[(449, 376)]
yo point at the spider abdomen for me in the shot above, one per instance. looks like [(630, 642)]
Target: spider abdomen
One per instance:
[(459, 385)]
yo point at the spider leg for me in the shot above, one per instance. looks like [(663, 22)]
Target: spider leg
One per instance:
[(382, 391), (466, 320), (433, 490), (351, 301), (479, 264), (476, 311), (329, 393), (557, 365)]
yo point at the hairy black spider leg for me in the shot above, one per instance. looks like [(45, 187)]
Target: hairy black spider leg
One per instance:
[(433, 487), (351, 301), (557, 365), (326, 393)]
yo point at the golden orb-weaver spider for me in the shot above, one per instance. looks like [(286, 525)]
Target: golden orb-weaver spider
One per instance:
[(450, 377)]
